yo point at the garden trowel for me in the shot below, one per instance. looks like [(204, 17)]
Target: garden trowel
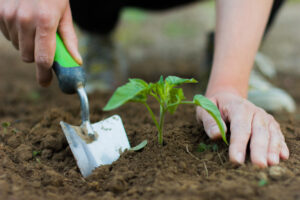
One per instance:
[(95, 144)]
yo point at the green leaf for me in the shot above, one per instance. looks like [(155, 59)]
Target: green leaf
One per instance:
[(202, 147), (139, 146), (5, 124), (127, 92), (141, 98), (212, 109), (176, 96), (158, 88), (161, 80), (138, 82), (215, 148), (262, 182), (36, 153), (174, 80)]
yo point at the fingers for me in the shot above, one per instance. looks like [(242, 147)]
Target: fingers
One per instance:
[(284, 152), (259, 141), (8, 13), (45, 44), (275, 144), (247, 123), (2, 23), (240, 128), (31, 26), (210, 126), (25, 18), (267, 143), (3, 27), (67, 32)]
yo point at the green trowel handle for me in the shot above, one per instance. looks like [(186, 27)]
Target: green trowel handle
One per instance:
[(69, 74)]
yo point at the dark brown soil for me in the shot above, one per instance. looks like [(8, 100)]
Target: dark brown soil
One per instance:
[(36, 162)]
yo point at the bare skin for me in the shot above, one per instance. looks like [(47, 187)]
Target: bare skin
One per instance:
[(240, 26), (31, 26)]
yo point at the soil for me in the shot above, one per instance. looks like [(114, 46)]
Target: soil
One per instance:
[(36, 162)]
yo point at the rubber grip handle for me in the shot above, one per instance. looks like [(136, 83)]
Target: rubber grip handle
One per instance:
[(69, 73)]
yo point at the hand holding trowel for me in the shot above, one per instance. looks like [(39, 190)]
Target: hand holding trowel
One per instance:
[(92, 144)]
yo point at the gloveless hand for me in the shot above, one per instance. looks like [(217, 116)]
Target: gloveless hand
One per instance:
[(31, 26), (247, 123)]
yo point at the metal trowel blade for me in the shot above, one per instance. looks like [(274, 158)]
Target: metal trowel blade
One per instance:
[(110, 141)]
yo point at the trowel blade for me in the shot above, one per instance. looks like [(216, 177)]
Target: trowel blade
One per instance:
[(111, 140)]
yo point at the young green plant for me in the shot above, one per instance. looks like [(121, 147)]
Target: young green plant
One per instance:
[(168, 95)]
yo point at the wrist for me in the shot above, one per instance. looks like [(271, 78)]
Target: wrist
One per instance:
[(229, 78), (216, 88)]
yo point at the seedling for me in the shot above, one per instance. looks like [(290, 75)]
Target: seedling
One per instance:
[(35, 155), (5, 126), (167, 94), (262, 182), (202, 147)]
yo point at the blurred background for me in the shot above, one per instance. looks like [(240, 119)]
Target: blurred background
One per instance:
[(172, 42)]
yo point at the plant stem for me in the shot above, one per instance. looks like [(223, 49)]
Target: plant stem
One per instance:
[(187, 102), (152, 116), (161, 124)]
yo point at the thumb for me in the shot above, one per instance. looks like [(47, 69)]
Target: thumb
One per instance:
[(68, 35), (210, 126)]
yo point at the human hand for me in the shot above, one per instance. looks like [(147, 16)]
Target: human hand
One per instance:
[(31, 26), (247, 122)]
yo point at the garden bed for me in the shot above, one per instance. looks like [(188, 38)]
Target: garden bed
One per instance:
[(36, 162)]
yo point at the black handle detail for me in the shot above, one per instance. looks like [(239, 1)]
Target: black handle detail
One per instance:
[(69, 78)]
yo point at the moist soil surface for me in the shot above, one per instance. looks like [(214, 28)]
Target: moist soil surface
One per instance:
[(36, 161)]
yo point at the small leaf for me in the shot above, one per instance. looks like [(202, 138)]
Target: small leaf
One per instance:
[(160, 88), (139, 146), (176, 96), (126, 93), (161, 80), (262, 182), (36, 153), (174, 80), (5, 124), (213, 110), (215, 148), (202, 147)]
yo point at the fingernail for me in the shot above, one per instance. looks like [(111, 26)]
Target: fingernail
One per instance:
[(78, 58), (240, 157), (262, 162), (285, 153), (274, 158), (214, 132)]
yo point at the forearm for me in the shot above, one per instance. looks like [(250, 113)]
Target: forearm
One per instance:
[(239, 29)]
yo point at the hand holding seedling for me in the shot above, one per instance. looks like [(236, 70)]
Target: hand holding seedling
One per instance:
[(31, 26), (169, 97)]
